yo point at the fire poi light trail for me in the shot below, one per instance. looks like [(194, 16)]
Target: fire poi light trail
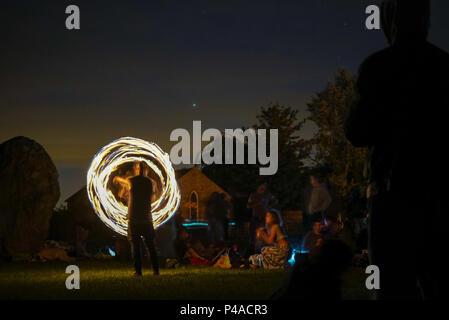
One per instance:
[(108, 159)]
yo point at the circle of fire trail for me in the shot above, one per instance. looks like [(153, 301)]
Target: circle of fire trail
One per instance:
[(108, 159)]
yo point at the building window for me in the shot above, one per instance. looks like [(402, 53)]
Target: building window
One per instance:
[(194, 206)]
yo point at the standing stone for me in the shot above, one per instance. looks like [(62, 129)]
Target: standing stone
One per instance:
[(29, 190)]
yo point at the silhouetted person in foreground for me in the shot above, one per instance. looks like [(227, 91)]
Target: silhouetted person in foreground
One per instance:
[(140, 222), (399, 115), (319, 278), (258, 202)]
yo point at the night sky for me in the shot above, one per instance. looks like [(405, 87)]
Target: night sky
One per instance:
[(136, 68)]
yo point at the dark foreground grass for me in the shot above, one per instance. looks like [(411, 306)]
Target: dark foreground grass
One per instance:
[(111, 280)]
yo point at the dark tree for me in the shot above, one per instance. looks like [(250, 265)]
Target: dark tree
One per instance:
[(329, 147), (239, 180), (288, 183)]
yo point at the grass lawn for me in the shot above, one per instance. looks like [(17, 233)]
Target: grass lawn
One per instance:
[(111, 280)]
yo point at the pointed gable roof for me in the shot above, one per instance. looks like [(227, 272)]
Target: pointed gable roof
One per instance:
[(196, 177)]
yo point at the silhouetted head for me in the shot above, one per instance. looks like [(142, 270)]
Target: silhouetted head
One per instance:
[(262, 188), (405, 21)]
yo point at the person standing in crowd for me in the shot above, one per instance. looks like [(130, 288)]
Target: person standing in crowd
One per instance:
[(259, 202), (217, 212), (319, 201)]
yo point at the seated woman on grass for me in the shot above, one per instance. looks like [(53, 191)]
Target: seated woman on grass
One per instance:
[(275, 254)]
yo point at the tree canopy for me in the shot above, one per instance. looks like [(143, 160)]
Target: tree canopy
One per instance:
[(287, 184), (329, 147)]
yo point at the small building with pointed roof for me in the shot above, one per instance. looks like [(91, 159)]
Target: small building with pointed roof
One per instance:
[(196, 189)]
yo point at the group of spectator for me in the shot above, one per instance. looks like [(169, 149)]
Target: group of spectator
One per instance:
[(268, 246)]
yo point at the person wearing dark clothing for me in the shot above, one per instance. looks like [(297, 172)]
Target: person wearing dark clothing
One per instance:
[(181, 246), (224, 207), (319, 201), (217, 212), (140, 223), (259, 201), (81, 239), (333, 229), (399, 116), (225, 224)]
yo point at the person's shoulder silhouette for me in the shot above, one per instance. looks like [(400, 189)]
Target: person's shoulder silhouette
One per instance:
[(402, 90)]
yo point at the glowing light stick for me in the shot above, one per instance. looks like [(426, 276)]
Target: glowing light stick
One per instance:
[(108, 159)]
